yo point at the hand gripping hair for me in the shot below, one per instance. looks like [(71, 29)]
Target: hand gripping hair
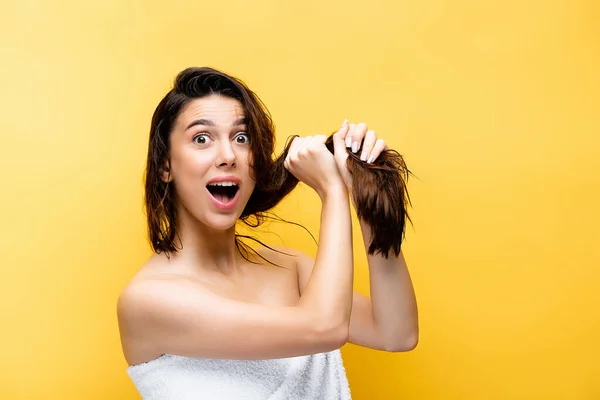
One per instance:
[(378, 190)]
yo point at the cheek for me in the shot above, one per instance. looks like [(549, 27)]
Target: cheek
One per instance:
[(189, 175), (246, 160), (189, 164)]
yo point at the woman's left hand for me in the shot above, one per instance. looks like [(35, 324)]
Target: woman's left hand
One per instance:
[(353, 137)]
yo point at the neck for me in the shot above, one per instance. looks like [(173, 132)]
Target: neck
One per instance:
[(206, 248)]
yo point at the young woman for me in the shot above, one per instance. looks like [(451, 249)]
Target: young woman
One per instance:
[(205, 318)]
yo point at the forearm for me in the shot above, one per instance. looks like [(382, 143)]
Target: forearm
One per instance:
[(393, 302), (330, 286)]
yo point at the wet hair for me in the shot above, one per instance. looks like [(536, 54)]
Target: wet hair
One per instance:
[(379, 189)]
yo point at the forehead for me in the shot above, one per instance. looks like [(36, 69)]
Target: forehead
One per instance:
[(220, 110)]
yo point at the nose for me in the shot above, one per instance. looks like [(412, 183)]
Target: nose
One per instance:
[(226, 156)]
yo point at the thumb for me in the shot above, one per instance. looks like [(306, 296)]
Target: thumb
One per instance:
[(339, 145)]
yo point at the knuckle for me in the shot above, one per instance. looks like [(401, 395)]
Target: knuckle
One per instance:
[(317, 147)]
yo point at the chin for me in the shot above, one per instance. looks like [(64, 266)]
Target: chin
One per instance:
[(221, 222)]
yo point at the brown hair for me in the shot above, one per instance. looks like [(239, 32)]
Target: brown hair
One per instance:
[(379, 189)]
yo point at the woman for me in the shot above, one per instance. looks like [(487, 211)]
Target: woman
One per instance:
[(205, 317)]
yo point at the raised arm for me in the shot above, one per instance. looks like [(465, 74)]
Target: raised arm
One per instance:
[(388, 319)]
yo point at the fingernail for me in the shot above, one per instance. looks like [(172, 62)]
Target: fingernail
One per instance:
[(354, 146), (345, 123), (370, 160), (348, 141), (363, 157)]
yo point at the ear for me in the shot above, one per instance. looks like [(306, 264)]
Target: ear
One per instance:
[(166, 173)]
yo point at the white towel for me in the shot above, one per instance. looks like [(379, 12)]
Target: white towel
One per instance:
[(314, 377)]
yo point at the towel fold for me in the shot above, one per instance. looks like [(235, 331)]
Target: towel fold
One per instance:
[(314, 377)]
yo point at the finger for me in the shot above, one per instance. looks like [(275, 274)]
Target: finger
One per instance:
[(342, 132), (294, 146), (292, 151), (304, 145), (358, 134), (286, 163), (318, 140), (368, 144), (349, 135), (339, 149), (376, 151)]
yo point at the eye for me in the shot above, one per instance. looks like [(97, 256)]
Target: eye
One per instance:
[(202, 138), (242, 138)]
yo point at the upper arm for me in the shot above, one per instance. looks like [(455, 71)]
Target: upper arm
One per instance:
[(362, 328), (182, 318)]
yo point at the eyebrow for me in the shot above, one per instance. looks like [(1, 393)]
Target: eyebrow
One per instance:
[(207, 122)]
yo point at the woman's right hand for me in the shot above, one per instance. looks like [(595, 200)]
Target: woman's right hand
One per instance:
[(312, 163)]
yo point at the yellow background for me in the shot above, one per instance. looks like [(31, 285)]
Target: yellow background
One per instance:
[(495, 105)]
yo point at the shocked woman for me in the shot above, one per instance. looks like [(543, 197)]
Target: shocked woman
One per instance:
[(205, 318)]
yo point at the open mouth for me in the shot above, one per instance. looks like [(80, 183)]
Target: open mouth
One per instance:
[(223, 192)]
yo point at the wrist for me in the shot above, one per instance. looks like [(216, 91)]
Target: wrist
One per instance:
[(333, 191)]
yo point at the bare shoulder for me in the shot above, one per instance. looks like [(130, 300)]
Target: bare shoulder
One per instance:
[(151, 292), (153, 273), (151, 287)]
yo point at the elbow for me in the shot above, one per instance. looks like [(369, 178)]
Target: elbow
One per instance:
[(332, 336), (340, 336), (404, 344)]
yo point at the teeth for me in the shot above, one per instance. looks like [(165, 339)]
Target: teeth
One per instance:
[(222, 184)]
